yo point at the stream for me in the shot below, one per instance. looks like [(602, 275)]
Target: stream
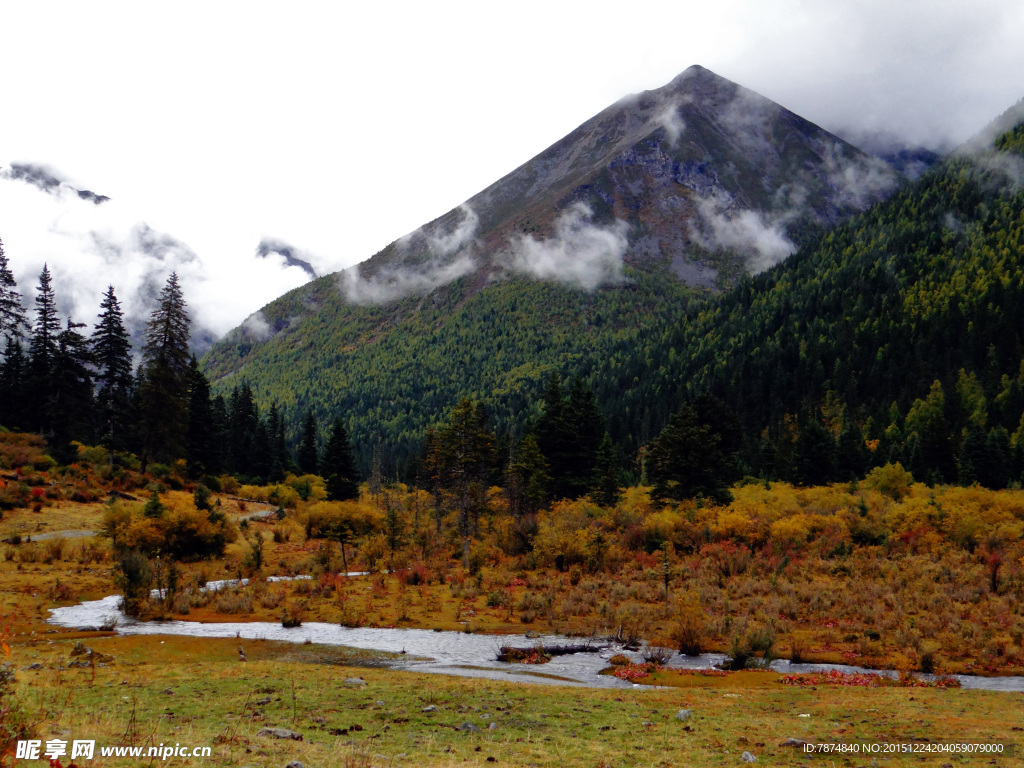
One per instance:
[(450, 653)]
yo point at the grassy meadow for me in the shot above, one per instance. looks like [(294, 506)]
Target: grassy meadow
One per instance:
[(886, 573)]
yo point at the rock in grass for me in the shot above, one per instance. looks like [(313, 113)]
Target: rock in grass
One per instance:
[(295, 764), (684, 714), (431, 708), (468, 727), (354, 681), (280, 733), (747, 757), (492, 727), (791, 742), (264, 700)]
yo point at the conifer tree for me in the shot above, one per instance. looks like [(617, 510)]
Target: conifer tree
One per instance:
[(308, 459), (111, 352), (278, 449), (586, 425), (555, 438), (686, 460), (72, 406), (606, 486), (43, 349), (339, 467), (201, 443), (163, 396), (12, 385), (243, 431), (12, 314), (528, 478)]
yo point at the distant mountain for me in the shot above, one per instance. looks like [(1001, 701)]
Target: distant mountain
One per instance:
[(569, 263)]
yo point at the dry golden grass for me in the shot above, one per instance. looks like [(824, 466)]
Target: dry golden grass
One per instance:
[(213, 700)]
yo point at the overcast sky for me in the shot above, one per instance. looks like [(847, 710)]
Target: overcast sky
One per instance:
[(338, 127)]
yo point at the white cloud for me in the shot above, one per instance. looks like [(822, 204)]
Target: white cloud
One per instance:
[(579, 252), (763, 240), (395, 283)]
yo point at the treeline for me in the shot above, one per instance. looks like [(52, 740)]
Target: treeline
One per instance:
[(71, 387)]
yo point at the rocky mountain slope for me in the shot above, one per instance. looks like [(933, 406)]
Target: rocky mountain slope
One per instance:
[(565, 264)]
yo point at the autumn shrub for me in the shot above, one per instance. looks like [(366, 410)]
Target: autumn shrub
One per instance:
[(234, 601), (178, 529), (291, 616), (890, 480), (133, 576), (744, 648), (690, 625)]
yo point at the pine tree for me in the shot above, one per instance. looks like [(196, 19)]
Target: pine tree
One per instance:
[(814, 457), (12, 314), (163, 396), (243, 431), (308, 458), (111, 351), (606, 486), (686, 461), (43, 349), (72, 408), (201, 442), (339, 467), (586, 426), (12, 385), (278, 448), (527, 481), (556, 440)]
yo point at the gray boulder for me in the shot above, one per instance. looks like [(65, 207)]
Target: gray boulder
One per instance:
[(280, 733)]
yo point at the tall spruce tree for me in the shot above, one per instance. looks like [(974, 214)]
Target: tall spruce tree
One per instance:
[(607, 481), (12, 314), (243, 431), (686, 460), (72, 408), (42, 358), (201, 443), (12, 385), (111, 351), (278, 447), (339, 467), (308, 458), (163, 395)]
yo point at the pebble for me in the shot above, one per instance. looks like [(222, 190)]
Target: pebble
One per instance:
[(747, 757), (431, 708), (354, 681), (684, 714)]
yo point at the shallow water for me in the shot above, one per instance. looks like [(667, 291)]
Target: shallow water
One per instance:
[(452, 653)]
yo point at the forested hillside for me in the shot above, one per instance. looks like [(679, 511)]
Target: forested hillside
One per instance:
[(903, 327), (497, 346)]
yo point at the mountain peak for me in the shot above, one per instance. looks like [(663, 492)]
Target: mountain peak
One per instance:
[(701, 176)]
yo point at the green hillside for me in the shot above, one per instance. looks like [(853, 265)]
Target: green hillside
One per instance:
[(925, 287), (499, 345)]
